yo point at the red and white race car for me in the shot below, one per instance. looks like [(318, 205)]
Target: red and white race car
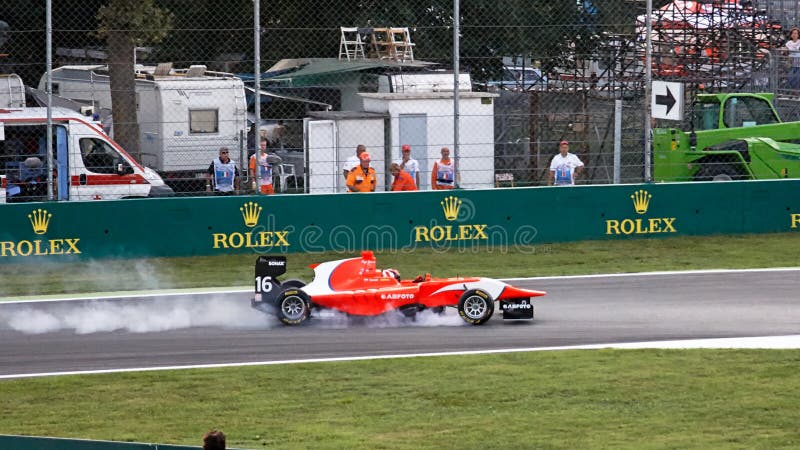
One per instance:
[(356, 287)]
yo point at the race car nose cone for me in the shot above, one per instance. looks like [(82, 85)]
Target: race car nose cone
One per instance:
[(515, 292)]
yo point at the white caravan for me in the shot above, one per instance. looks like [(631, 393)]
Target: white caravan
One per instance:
[(185, 115), (87, 164)]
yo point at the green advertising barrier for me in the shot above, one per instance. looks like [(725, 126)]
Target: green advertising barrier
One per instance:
[(393, 220), (47, 443)]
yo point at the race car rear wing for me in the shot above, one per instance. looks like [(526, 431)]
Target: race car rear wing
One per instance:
[(268, 268)]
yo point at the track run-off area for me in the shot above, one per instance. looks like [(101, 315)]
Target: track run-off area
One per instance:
[(755, 308)]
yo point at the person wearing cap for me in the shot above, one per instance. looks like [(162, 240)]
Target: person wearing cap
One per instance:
[(362, 178), (264, 162), (353, 160), (443, 173), (222, 174), (402, 179), (409, 164), (564, 167), (793, 46)]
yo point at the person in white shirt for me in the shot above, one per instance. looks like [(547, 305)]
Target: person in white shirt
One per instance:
[(564, 167), (409, 164), (793, 46), (353, 160)]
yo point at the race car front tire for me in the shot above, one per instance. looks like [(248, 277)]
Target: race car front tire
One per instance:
[(476, 306), (293, 306)]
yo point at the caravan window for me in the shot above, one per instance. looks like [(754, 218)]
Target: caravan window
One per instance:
[(203, 121)]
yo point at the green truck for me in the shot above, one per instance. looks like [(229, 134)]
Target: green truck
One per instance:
[(732, 137)]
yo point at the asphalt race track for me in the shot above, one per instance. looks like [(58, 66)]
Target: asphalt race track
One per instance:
[(47, 337)]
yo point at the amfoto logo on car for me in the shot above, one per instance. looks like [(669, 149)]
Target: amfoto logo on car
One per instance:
[(523, 305), (397, 296), (40, 222)]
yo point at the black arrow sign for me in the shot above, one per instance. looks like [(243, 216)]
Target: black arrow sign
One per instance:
[(666, 100)]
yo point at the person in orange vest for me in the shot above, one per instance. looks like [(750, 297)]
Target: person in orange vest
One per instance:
[(362, 178), (402, 179), (443, 173)]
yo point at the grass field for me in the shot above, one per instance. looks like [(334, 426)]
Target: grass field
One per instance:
[(637, 399)]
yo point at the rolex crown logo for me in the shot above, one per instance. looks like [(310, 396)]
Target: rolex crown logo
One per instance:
[(250, 213), (450, 206), (40, 219), (641, 201)]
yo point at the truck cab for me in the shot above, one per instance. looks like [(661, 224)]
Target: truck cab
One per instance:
[(86, 163), (734, 136)]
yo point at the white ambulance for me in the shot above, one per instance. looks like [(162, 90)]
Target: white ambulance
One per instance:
[(87, 164)]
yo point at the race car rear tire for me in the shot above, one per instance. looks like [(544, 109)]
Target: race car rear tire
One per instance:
[(476, 306), (293, 306), (293, 283)]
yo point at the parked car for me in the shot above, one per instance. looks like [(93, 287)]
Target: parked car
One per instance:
[(518, 78)]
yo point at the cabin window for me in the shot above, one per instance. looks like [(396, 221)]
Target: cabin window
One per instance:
[(99, 156), (748, 111), (203, 121)]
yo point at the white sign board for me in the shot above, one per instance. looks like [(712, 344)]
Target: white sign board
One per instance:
[(667, 100)]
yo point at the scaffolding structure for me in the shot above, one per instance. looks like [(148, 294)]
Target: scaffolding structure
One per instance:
[(716, 44), (720, 44)]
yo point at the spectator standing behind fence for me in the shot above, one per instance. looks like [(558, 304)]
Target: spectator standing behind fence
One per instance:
[(362, 178), (793, 46), (353, 160), (263, 161), (444, 171), (409, 164), (214, 440), (564, 167), (223, 175), (402, 179)]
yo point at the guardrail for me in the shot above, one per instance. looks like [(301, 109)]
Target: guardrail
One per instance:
[(403, 221)]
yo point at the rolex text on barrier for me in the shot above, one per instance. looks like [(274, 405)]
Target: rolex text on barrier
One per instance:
[(253, 239), (653, 225), (40, 221), (451, 206)]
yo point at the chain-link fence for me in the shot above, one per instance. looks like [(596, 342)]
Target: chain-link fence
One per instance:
[(173, 82)]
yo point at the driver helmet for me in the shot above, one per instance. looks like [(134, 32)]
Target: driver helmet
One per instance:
[(391, 273)]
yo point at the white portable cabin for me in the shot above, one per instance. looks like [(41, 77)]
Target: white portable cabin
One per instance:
[(184, 116), (424, 120), (331, 137), (414, 109)]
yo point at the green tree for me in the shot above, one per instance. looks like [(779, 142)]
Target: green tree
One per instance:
[(126, 24)]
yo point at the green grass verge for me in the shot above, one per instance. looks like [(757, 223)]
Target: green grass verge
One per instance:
[(611, 256), (634, 399)]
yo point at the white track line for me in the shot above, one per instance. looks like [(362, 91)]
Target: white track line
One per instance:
[(768, 342), (241, 289)]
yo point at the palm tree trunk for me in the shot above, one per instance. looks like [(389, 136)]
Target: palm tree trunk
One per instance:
[(123, 92)]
